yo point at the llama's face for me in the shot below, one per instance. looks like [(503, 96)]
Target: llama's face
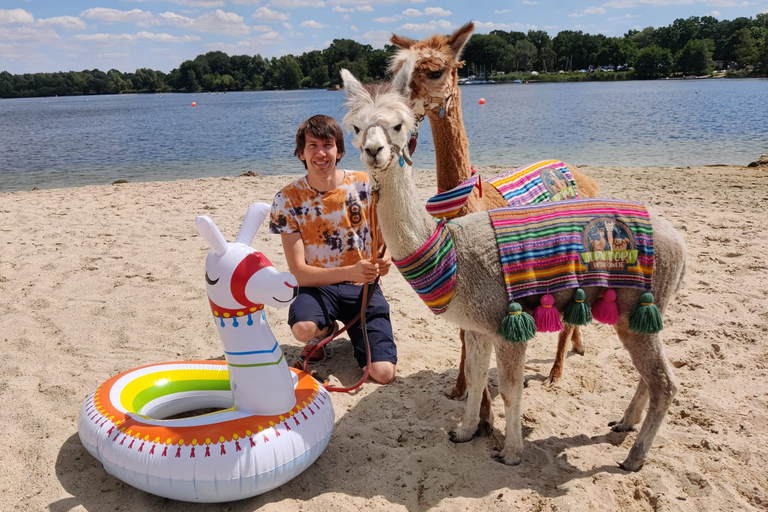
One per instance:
[(380, 119), (434, 61)]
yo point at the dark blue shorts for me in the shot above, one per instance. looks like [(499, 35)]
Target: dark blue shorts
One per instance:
[(324, 304)]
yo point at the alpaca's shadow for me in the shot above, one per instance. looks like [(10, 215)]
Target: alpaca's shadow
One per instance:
[(390, 443)]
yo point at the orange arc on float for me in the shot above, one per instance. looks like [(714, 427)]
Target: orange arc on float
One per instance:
[(131, 424)]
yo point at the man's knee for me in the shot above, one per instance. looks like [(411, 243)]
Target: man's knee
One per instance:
[(383, 372), (304, 331)]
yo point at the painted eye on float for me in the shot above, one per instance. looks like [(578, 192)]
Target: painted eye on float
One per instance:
[(209, 281), (436, 74)]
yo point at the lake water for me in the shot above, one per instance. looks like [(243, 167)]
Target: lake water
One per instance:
[(72, 141)]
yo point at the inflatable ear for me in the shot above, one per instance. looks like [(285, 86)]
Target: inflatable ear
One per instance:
[(255, 215), (211, 234)]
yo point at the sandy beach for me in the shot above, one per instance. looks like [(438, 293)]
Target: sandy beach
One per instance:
[(101, 279)]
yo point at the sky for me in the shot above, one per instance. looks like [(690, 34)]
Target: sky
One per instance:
[(73, 35)]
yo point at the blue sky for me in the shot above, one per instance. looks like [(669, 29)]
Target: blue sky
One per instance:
[(63, 35)]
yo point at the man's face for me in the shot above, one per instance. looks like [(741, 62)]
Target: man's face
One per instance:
[(320, 155)]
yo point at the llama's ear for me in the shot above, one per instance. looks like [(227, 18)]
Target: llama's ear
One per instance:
[(402, 42), (255, 215), (211, 234), (352, 87), (402, 79), (459, 38)]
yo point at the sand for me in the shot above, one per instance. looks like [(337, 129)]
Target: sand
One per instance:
[(98, 280)]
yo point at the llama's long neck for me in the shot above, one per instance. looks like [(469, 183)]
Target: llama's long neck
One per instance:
[(452, 149), (404, 221)]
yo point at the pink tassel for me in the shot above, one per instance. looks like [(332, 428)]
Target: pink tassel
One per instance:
[(547, 318), (604, 309)]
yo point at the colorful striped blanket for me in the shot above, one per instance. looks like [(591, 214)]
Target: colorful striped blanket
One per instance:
[(571, 244), (548, 180), (431, 271)]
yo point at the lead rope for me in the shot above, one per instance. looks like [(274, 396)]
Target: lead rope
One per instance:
[(368, 291)]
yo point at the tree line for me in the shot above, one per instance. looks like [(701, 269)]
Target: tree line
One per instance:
[(691, 46)]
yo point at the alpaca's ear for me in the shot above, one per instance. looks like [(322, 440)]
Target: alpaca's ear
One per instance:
[(459, 38), (401, 42), (352, 87), (401, 82)]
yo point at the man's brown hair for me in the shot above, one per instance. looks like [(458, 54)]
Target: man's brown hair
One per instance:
[(320, 127)]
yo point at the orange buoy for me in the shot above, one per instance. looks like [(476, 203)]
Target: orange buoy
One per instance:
[(482, 101), (194, 104)]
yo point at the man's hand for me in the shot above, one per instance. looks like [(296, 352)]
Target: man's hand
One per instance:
[(364, 272), (384, 263)]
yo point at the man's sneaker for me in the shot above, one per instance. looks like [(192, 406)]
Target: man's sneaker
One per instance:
[(321, 354)]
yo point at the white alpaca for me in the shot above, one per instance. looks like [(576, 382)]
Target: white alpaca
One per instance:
[(381, 119)]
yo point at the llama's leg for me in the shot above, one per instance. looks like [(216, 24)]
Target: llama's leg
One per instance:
[(576, 341), (459, 391), (476, 370), (634, 410), (510, 359), (562, 347), (660, 386)]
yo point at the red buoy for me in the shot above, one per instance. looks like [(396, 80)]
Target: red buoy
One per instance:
[(194, 104), (482, 101)]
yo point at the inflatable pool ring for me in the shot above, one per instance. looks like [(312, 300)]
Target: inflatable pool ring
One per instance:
[(152, 427)]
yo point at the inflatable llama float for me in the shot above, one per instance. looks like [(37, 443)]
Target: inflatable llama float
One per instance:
[(271, 422)]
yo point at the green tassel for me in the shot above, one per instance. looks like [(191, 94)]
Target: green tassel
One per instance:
[(578, 312), (646, 317), (517, 326)]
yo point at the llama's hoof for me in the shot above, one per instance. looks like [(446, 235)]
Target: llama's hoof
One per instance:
[(509, 460), (458, 393), (620, 426), (551, 380), (456, 436), (631, 466)]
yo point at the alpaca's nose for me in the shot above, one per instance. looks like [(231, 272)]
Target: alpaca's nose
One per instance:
[(373, 151)]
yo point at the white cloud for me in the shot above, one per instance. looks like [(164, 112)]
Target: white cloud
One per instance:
[(436, 11), (246, 2), (594, 10), (354, 28), (575, 15), (294, 4), (288, 26), (65, 22), (267, 14), (364, 8), (199, 3), (8, 16), (716, 14), (431, 26), (28, 33), (499, 26), (385, 20), (412, 13), (338, 8), (312, 24), (500, 11), (627, 16), (111, 55), (377, 38), (131, 38), (368, 2), (135, 16), (217, 21), (529, 2)]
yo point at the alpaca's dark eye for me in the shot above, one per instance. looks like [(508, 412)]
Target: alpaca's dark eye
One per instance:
[(436, 74), (357, 130), (397, 128)]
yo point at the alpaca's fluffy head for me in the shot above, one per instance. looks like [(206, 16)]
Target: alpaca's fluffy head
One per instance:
[(380, 118), (435, 61)]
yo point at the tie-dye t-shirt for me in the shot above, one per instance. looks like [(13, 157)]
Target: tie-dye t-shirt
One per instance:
[(333, 224)]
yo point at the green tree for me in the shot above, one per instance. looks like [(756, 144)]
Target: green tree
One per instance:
[(696, 57), (653, 62), (318, 77), (745, 50), (525, 54)]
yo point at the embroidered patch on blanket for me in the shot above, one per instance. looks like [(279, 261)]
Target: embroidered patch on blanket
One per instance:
[(570, 244), (548, 180), (431, 271)]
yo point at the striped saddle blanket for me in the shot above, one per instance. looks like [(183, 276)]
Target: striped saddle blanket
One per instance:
[(571, 244), (545, 181)]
